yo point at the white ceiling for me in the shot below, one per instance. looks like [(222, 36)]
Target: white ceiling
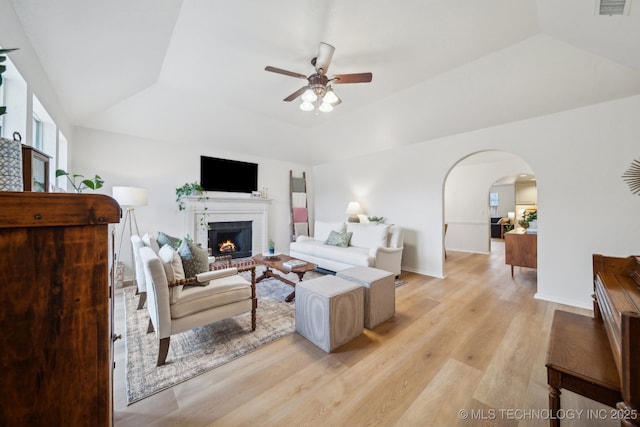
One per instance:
[(168, 69)]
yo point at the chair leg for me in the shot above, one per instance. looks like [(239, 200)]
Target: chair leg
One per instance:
[(142, 300), (253, 315), (163, 350), (150, 328)]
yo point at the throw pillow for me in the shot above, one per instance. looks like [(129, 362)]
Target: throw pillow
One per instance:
[(195, 260), (173, 270), (368, 235), (165, 239), (172, 263), (151, 242), (338, 239)]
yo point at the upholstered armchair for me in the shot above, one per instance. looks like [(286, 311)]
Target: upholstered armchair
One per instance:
[(141, 283), (174, 307)]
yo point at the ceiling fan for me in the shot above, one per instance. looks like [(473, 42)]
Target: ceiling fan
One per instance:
[(318, 93)]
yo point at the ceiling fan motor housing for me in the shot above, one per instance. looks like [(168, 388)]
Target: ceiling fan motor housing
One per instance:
[(318, 84)]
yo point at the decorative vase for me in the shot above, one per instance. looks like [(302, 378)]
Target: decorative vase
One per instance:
[(10, 165), (272, 250)]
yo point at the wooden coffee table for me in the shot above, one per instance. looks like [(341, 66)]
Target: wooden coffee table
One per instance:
[(276, 264)]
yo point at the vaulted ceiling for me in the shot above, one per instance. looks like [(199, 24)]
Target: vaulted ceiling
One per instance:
[(193, 70)]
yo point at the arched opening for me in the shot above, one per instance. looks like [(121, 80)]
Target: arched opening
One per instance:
[(467, 196)]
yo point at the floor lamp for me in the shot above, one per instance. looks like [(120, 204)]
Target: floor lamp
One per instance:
[(128, 198)]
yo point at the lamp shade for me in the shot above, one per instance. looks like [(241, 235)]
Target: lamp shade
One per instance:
[(353, 208), (131, 196)]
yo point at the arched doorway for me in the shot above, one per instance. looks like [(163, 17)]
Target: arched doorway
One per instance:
[(466, 193)]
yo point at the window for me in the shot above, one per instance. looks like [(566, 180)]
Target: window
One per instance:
[(37, 133)]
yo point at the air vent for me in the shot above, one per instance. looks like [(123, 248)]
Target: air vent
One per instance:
[(613, 7)]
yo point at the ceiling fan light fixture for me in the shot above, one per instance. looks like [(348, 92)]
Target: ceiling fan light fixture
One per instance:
[(331, 97), (306, 106), (309, 96), (325, 107)]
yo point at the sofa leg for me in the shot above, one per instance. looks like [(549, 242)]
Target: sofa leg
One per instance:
[(142, 300), (163, 350), (150, 327)]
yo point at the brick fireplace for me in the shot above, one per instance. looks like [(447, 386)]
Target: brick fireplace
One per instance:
[(222, 209)]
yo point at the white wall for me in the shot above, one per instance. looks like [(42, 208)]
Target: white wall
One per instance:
[(578, 157), (161, 167), (506, 198)]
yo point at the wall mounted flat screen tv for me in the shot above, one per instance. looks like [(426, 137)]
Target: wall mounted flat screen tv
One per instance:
[(230, 176)]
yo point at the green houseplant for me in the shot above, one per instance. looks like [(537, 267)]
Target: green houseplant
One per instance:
[(193, 189), (79, 184), (189, 189), (527, 218)]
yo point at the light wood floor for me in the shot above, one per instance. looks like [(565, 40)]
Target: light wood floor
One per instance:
[(474, 341)]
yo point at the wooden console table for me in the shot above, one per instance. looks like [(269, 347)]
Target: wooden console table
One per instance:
[(520, 249)]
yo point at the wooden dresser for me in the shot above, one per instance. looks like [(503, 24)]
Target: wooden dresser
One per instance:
[(56, 315), (520, 249)]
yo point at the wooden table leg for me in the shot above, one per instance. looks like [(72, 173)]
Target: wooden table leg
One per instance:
[(554, 380), (554, 406)]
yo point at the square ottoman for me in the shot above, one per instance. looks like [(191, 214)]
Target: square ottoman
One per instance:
[(329, 311), (379, 293)]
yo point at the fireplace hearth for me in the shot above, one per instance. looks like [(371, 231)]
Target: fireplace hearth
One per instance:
[(230, 238)]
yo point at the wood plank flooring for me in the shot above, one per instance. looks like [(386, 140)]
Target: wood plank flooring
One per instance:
[(475, 341)]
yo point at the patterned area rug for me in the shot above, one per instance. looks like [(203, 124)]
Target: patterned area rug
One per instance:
[(199, 350)]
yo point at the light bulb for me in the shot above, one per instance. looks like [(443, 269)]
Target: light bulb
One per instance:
[(309, 96), (325, 107), (306, 106), (331, 97)]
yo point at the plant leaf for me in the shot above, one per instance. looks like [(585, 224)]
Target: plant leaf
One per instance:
[(3, 110), (61, 172), (8, 50)]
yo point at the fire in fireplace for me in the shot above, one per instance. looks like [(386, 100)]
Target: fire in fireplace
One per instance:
[(231, 238), (226, 246)]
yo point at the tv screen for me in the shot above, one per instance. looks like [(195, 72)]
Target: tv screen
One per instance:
[(231, 176)]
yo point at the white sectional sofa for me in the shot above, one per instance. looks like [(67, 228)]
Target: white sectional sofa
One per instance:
[(371, 245)]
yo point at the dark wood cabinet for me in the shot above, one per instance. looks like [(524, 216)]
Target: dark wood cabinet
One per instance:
[(35, 169), (56, 358), (520, 249)]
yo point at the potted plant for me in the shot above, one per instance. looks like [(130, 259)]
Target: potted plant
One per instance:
[(375, 218), (527, 218), (272, 247), (189, 189), (79, 186)]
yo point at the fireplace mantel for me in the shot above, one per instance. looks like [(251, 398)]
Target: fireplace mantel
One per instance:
[(201, 211)]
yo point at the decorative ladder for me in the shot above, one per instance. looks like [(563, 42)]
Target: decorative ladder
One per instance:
[(299, 207)]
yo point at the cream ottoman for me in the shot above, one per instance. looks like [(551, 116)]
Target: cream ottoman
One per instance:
[(379, 293), (329, 311)]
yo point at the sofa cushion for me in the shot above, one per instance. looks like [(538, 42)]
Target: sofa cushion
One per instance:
[(338, 239), (350, 255), (195, 260), (368, 235), (222, 291), (322, 229)]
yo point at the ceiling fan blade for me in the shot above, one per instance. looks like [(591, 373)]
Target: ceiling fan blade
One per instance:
[(285, 72), (295, 94), (352, 78), (325, 53)]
